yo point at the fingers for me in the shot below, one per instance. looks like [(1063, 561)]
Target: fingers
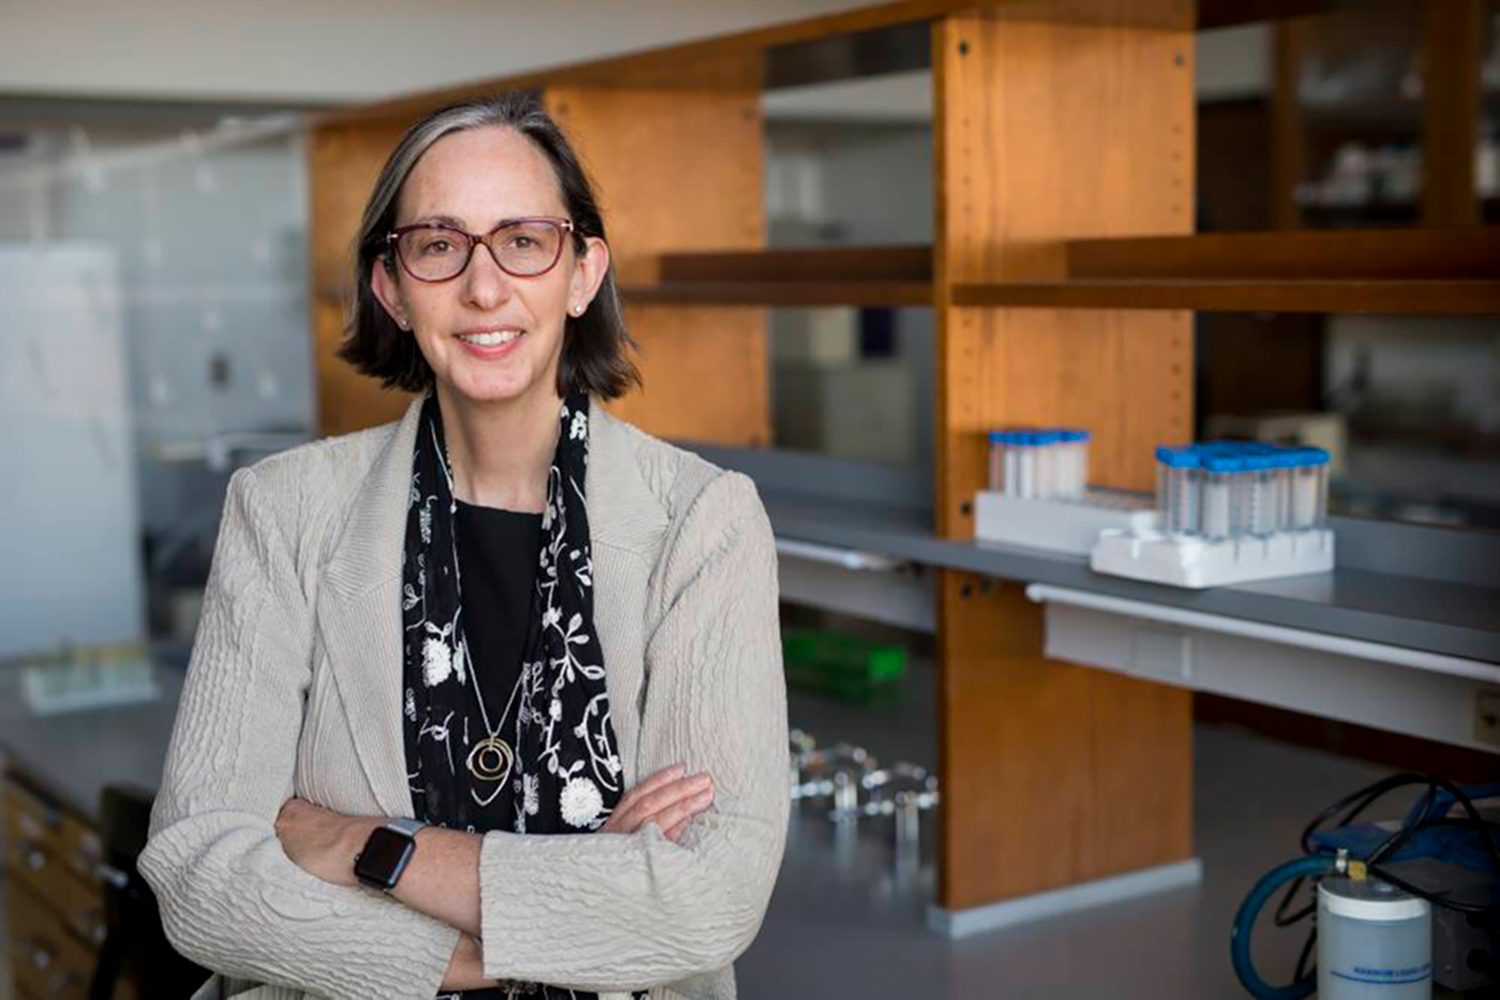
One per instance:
[(670, 796), (676, 816), (676, 831), (625, 809)]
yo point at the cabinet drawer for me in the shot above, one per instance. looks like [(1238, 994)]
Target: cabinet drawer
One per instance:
[(81, 849), (56, 857), (28, 819), (48, 963)]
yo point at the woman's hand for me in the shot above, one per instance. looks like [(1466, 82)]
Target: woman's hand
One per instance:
[(669, 798), (322, 842)]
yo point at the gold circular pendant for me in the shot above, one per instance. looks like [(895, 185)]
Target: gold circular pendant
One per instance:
[(491, 759)]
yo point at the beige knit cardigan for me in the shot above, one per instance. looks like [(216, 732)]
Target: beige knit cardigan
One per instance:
[(294, 689)]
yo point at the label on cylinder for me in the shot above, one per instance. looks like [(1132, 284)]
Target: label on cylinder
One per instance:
[(1373, 941)]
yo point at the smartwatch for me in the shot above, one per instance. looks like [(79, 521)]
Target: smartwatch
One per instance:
[(387, 853)]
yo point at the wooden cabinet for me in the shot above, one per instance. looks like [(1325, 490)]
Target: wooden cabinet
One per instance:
[(55, 899)]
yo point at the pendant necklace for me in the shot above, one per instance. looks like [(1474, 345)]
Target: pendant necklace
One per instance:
[(491, 759)]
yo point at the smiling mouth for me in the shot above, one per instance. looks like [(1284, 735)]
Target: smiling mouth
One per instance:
[(496, 338)]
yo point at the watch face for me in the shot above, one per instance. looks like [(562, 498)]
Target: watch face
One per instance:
[(385, 855)]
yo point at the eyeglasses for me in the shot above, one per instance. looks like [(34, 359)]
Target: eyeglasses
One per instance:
[(523, 248)]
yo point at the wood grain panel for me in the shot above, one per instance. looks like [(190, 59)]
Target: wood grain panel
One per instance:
[(681, 171), (343, 162), (347, 400), (1454, 44), (1054, 774), (704, 370), (1037, 144)]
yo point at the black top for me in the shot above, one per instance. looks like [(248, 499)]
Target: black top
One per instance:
[(497, 561)]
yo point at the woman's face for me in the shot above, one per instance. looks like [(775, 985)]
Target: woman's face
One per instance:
[(471, 181)]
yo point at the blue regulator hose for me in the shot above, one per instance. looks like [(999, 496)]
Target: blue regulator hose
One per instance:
[(1244, 923)]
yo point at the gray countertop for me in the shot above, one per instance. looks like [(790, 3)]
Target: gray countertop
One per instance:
[(1431, 615), (72, 756)]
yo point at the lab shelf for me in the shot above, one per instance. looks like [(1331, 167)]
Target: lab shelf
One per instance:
[(1417, 613), (806, 276), (1400, 271), (1422, 298), (1411, 271)]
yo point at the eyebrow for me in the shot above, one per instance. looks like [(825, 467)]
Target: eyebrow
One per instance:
[(455, 223)]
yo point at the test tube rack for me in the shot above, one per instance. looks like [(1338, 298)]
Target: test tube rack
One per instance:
[(1198, 562), (1061, 524), (1039, 495), (1231, 512)]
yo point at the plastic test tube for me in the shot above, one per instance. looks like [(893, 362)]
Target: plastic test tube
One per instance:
[(1041, 464), (1282, 465), (1177, 489), (1081, 470), (1262, 507), (998, 454), (1305, 489), (1219, 482), (1319, 459), (1025, 464)]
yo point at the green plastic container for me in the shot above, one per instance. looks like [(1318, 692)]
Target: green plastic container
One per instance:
[(840, 665)]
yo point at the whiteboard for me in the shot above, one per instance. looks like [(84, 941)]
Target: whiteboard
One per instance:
[(70, 560)]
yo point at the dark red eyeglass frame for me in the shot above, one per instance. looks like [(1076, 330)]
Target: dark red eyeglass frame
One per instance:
[(393, 239)]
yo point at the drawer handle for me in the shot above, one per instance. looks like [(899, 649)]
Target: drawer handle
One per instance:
[(63, 982), (89, 923), (110, 875), (33, 858), (42, 955)]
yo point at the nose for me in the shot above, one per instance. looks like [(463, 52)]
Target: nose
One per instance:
[(485, 285)]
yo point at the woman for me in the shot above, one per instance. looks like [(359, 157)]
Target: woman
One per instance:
[(489, 700)]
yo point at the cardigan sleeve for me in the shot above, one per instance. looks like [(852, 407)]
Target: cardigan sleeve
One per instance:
[(230, 898), (613, 911)]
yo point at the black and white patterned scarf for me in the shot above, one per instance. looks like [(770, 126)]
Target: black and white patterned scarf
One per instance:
[(566, 776)]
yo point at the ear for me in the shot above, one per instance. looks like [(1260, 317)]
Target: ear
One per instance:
[(589, 270), (388, 290)]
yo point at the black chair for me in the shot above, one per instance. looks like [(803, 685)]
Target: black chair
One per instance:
[(135, 946)]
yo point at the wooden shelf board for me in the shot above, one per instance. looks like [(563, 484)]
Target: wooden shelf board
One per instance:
[(898, 263), (803, 294), (1420, 297), (1368, 255)]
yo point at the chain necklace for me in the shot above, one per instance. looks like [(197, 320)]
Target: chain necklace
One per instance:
[(492, 758)]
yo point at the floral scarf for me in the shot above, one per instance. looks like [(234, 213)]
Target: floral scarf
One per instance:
[(566, 774)]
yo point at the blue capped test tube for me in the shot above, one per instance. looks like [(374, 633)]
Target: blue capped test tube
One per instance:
[(1310, 489), (1222, 493), (1177, 489), (1260, 471)]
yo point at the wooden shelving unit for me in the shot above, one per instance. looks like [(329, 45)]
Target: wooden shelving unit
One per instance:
[(1072, 310)]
